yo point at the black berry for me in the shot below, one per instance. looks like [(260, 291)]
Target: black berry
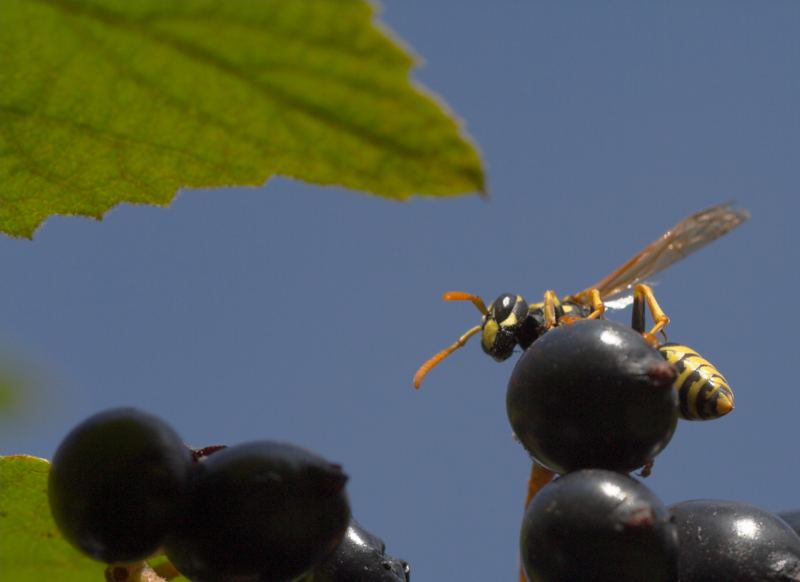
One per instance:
[(592, 394), (727, 540), (361, 557), (260, 511), (598, 525), (117, 483), (792, 518)]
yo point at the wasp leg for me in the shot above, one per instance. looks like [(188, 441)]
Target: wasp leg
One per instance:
[(587, 297), (598, 307), (593, 298), (644, 294), (539, 477), (552, 307)]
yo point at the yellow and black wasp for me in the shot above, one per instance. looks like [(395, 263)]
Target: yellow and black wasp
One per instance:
[(509, 321)]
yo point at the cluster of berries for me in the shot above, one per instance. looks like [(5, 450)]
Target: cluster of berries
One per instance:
[(123, 486), (593, 401)]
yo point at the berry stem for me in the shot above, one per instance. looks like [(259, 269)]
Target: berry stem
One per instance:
[(139, 572)]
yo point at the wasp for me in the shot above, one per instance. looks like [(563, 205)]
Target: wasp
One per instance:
[(510, 321)]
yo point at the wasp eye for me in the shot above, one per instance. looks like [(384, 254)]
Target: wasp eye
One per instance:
[(502, 306)]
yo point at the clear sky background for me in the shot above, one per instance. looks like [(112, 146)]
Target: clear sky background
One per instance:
[(300, 313)]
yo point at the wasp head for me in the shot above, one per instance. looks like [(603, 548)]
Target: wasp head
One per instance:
[(505, 325)]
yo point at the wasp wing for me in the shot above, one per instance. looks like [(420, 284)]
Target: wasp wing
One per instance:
[(619, 302), (687, 237)]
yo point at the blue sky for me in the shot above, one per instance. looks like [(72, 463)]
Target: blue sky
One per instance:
[(293, 312)]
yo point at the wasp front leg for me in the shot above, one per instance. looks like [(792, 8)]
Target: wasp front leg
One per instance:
[(643, 295), (552, 309)]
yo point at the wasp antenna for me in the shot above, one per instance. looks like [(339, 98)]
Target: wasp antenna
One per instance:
[(434, 361), (461, 296)]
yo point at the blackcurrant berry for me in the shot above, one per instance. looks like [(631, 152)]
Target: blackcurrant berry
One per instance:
[(598, 525), (592, 394), (361, 557), (116, 484), (792, 518), (260, 511), (727, 540)]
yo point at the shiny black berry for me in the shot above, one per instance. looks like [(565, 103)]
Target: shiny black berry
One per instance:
[(726, 540), (260, 511), (592, 394), (601, 526), (361, 557), (116, 484), (792, 518)]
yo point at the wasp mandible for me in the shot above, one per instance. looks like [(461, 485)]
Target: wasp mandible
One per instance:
[(509, 321)]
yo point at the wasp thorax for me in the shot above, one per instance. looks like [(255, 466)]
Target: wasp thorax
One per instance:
[(501, 326)]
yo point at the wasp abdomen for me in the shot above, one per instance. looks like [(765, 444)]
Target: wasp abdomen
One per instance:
[(703, 392)]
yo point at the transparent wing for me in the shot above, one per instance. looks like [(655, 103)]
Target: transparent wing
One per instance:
[(620, 302), (688, 236)]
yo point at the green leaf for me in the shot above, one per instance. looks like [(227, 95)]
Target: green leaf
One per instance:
[(109, 101), (31, 548), (19, 386), (8, 392)]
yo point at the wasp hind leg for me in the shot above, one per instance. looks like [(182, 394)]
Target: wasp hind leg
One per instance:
[(643, 295), (539, 477)]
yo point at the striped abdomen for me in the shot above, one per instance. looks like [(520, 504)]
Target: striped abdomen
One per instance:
[(703, 393)]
